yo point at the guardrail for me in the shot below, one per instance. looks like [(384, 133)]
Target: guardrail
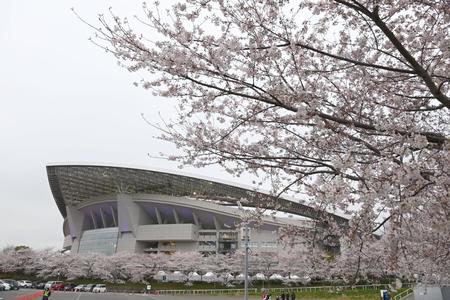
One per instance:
[(257, 290), (205, 292), (403, 294), (284, 289), (331, 287)]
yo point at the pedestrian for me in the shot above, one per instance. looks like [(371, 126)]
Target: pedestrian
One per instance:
[(293, 296), (46, 294), (283, 296)]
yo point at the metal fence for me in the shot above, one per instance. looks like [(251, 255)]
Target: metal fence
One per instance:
[(330, 288), (206, 292), (403, 294), (283, 289)]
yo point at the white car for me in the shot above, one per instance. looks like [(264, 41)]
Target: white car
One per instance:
[(99, 288), (25, 283), (79, 288), (48, 285), (4, 286)]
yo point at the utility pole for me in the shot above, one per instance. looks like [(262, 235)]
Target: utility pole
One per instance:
[(246, 263), (246, 251)]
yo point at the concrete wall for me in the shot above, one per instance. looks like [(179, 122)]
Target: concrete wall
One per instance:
[(259, 235), (126, 242), (67, 242), (186, 246), (427, 292), (169, 232), (445, 292)]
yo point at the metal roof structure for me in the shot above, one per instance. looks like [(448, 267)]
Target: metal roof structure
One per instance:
[(74, 184)]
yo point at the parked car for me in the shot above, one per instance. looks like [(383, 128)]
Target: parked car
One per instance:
[(58, 286), (79, 288), (48, 284), (69, 287), (88, 287), (14, 284), (99, 288), (55, 285), (25, 283), (38, 285), (4, 286)]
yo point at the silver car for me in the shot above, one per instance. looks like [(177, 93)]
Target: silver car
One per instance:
[(4, 286)]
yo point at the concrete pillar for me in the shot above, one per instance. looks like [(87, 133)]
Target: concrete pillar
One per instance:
[(130, 216), (216, 223), (196, 222), (127, 212), (75, 219)]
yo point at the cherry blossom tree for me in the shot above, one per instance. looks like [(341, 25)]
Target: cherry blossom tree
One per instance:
[(55, 264), (17, 259), (85, 266), (152, 264), (345, 102), (356, 263), (185, 262)]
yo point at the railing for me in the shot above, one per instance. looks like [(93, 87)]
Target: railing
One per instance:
[(286, 289), (403, 294), (331, 287), (205, 292)]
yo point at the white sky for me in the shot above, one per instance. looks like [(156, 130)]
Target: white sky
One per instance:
[(64, 100)]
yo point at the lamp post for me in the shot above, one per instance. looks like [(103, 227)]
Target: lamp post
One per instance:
[(246, 262), (246, 251)]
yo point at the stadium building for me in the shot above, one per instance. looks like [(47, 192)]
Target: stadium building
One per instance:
[(109, 209)]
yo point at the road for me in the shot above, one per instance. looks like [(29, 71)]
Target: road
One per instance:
[(11, 295)]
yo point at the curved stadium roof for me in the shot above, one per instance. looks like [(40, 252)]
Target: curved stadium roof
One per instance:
[(75, 183)]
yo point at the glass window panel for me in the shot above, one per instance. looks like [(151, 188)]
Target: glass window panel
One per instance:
[(99, 240)]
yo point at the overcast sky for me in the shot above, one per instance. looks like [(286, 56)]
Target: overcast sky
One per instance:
[(65, 100)]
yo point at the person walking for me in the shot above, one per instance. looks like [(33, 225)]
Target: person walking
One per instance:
[(46, 294)]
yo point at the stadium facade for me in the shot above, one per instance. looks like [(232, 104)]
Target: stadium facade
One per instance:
[(110, 209)]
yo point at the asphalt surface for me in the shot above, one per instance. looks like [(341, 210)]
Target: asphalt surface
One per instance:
[(12, 295)]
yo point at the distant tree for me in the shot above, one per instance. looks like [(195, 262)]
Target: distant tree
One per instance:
[(21, 247), (345, 102)]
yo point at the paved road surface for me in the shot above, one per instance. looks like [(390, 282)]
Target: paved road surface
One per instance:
[(11, 295)]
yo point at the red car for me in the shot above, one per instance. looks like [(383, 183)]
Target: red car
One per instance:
[(57, 286)]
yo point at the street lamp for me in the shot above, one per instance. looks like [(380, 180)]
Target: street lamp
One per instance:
[(246, 262), (246, 254)]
